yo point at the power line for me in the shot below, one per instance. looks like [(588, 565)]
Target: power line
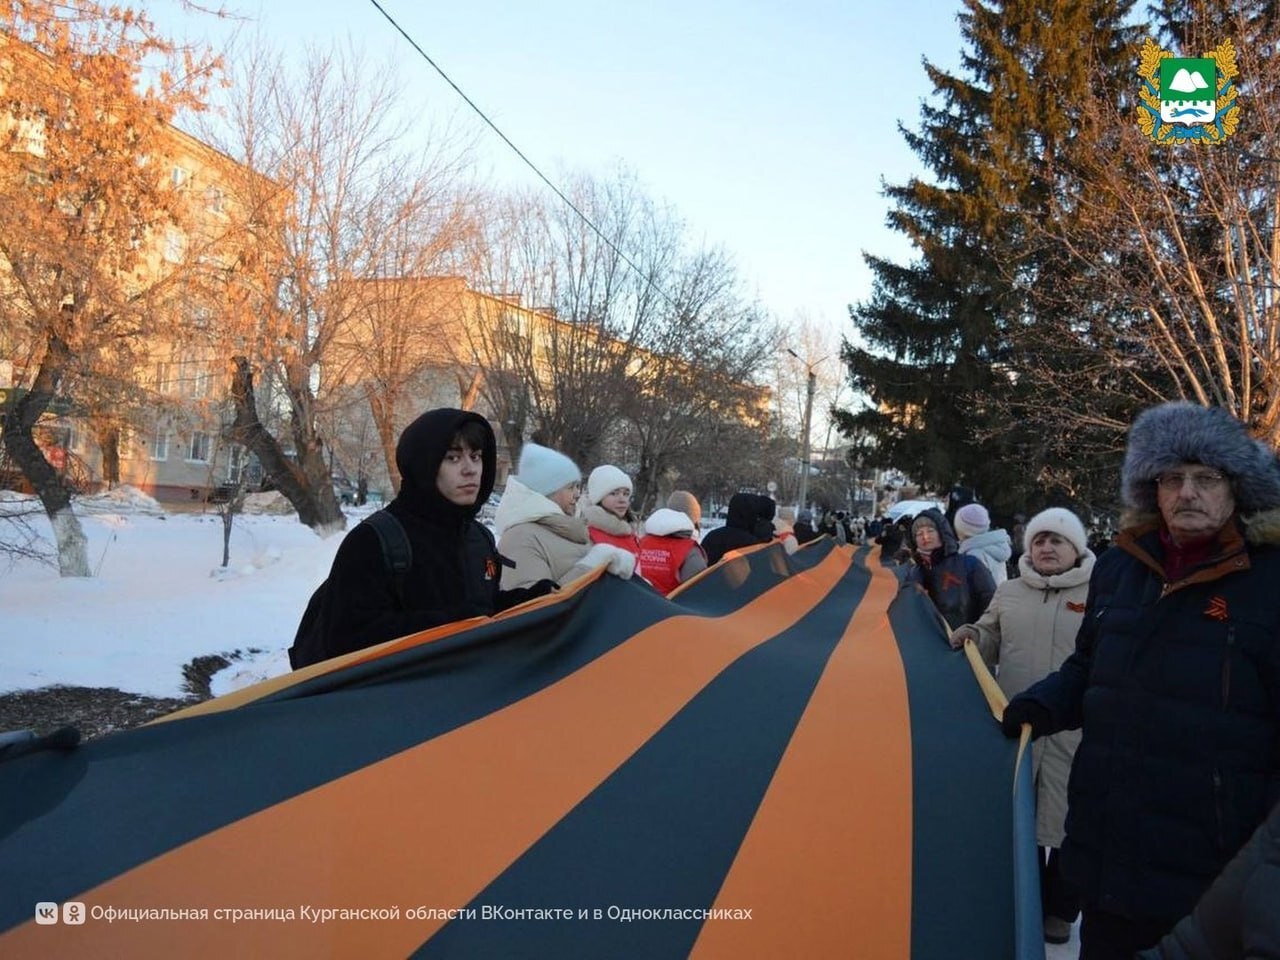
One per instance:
[(519, 153)]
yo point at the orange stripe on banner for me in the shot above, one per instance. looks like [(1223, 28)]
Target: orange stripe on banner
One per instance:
[(826, 867), (239, 698), (434, 824)]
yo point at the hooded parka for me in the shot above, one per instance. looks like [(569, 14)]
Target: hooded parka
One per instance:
[(1028, 631), (959, 585), (749, 522), (455, 568)]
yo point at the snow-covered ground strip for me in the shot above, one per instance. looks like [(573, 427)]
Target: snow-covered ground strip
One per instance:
[(159, 599)]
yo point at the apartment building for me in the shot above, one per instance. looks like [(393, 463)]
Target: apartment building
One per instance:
[(142, 404)]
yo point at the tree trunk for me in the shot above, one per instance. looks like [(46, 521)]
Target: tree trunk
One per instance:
[(646, 483), (383, 416), (49, 485), (305, 484), (109, 442)]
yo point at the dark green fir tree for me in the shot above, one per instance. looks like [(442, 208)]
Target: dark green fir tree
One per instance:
[(940, 366)]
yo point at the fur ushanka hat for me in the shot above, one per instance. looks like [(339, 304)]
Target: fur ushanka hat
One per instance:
[(1181, 432)]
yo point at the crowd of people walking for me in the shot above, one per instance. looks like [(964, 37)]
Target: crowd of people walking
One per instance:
[(1147, 672)]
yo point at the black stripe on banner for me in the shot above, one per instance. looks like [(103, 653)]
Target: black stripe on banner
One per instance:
[(962, 789), (723, 590), (71, 821), (663, 830)]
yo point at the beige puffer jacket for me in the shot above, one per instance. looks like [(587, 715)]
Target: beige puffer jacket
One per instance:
[(544, 542), (1027, 631)]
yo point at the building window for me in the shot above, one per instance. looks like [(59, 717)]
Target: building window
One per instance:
[(160, 445), (235, 463), (31, 137), (179, 177), (201, 380), (215, 200), (175, 245), (199, 449), (165, 376)]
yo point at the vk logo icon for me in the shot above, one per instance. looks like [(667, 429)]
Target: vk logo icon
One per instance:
[(46, 912)]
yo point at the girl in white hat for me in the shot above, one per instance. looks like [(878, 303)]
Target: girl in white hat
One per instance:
[(607, 509), (537, 529)]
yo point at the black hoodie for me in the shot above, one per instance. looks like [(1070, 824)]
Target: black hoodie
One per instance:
[(455, 567), (750, 521)]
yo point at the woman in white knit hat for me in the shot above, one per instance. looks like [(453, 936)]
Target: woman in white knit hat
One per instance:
[(537, 529), (1028, 631), (608, 509)]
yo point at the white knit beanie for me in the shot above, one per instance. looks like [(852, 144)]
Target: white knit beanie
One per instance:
[(604, 480), (665, 522), (1062, 522), (971, 520), (545, 471)]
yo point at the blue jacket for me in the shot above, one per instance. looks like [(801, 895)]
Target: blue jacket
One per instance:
[(958, 584), (1177, 689)]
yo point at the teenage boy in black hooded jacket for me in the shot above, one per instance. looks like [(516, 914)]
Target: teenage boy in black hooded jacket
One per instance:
[(750, 521), (447, 460)]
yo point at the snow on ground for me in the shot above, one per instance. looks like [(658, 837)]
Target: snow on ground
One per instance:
[(160, 597)]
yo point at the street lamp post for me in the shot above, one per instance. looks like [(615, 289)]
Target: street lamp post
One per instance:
[(808, 417)]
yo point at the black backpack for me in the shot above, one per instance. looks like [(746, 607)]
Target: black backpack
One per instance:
[(397, 555)]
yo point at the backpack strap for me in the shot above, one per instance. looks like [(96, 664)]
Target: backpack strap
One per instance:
[(397, 552)]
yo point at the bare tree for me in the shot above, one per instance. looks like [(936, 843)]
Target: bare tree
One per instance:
[(566, 380), (83, 199), (1169, 261), (342, 203), (702, 361)]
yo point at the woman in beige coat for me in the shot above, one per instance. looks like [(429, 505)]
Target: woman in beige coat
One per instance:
[(536, 528), (1027, 631)]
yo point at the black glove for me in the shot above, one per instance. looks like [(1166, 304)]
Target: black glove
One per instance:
[(510, 598), (1021, 711)]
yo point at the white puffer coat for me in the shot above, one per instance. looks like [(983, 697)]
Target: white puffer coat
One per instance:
[(1028, 630), (544, 542)]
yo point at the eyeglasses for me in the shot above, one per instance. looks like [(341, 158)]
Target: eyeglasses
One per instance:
[(1200, 481)]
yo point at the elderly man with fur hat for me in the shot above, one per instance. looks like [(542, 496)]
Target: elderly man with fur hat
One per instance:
[(1175, 680)]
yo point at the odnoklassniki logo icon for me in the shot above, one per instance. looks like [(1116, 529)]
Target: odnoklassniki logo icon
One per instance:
[(1188, 99)]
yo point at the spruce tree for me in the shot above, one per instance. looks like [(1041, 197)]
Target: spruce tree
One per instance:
[(940, 368)]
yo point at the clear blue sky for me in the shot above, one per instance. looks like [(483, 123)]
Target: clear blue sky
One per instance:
[(767, 126)]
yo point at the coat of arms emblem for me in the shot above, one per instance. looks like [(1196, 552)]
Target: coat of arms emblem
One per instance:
[(1188, 99)]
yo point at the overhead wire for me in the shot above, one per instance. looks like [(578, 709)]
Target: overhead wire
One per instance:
[(520, 153)]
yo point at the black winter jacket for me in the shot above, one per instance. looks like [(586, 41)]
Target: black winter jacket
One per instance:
[(890, 540), (1239, 916), (1177, 689), (958, 584), (750, 521), (456, 566)]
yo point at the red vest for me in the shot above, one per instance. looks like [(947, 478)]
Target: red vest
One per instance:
[(661, 559), (627, 541)]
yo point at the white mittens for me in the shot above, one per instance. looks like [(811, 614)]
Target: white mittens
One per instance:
[(619, 562)]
